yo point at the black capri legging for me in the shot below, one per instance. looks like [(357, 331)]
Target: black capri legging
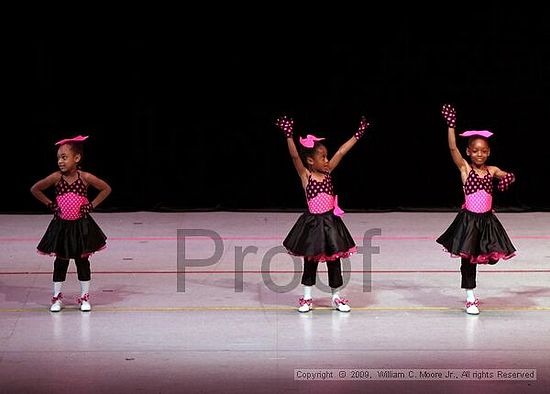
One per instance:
[(60, 267), (468, 272), (334, 268)]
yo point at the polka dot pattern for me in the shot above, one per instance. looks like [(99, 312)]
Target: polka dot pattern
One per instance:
[(70, 197), (320, 195), (314, 187), (321, 203), (506, 181), (474, 183), (478, 192), (478, 202)]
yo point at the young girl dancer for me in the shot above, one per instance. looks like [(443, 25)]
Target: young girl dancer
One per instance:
[(319, 235), (72, 233), (476, 235)]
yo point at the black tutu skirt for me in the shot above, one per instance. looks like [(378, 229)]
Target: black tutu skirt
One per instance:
[(479, 237), (69, 239), (320, 237)]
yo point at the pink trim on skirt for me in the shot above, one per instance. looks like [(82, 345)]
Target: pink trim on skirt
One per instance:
[(332, 257), (88, 254), (486, 258)]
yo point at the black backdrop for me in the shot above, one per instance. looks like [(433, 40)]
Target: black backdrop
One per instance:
[(181, 122)]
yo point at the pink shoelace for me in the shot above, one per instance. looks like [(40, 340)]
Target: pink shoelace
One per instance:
[(341, 301), (58, 298), (85, 297), (470, 303)]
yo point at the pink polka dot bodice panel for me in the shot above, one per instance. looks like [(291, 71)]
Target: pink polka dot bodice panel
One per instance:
[(478, 192), (70, 197), (478, 202), (321, 203), (320, 195)]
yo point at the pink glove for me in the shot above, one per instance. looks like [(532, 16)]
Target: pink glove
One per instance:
[(505, 182), (86, 209), (54, 208), (449, 113), (286, 125), (362, 127)]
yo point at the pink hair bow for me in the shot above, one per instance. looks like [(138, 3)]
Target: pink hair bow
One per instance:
[(78, 138), (483, 133), (309, 141)]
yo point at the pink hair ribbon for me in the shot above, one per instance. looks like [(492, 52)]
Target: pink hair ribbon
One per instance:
[(483, 133), (309, 141), (78, 138)]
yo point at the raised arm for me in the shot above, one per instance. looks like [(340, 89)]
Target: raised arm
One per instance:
[(449, 113), (346, 146), (287, 126)]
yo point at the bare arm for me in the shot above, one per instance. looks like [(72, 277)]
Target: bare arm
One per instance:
[(497, 172), (341, 152), (505, 178), (455, 153), (296, 160), (346, 146), (287, 126), (99, 184), (449, 113), (38, 188)]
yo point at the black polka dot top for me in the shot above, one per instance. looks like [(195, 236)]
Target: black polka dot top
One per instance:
[(474, 183), (314, 187)]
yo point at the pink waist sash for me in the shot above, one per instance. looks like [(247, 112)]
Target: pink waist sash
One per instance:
[(69, 205), (324, 202), (478, 202)]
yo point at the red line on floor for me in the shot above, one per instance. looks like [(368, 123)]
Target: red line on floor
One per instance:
[(275, 272)]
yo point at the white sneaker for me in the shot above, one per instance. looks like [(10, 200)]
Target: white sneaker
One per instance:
[(57, 304), (472, 307), (305, 305), (341, 304), (84, 302)]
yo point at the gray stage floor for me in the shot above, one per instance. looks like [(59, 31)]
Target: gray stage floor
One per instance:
[(228, 321)]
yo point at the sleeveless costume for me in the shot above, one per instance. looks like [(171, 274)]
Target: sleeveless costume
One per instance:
[(476, 234), (71, 235)]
